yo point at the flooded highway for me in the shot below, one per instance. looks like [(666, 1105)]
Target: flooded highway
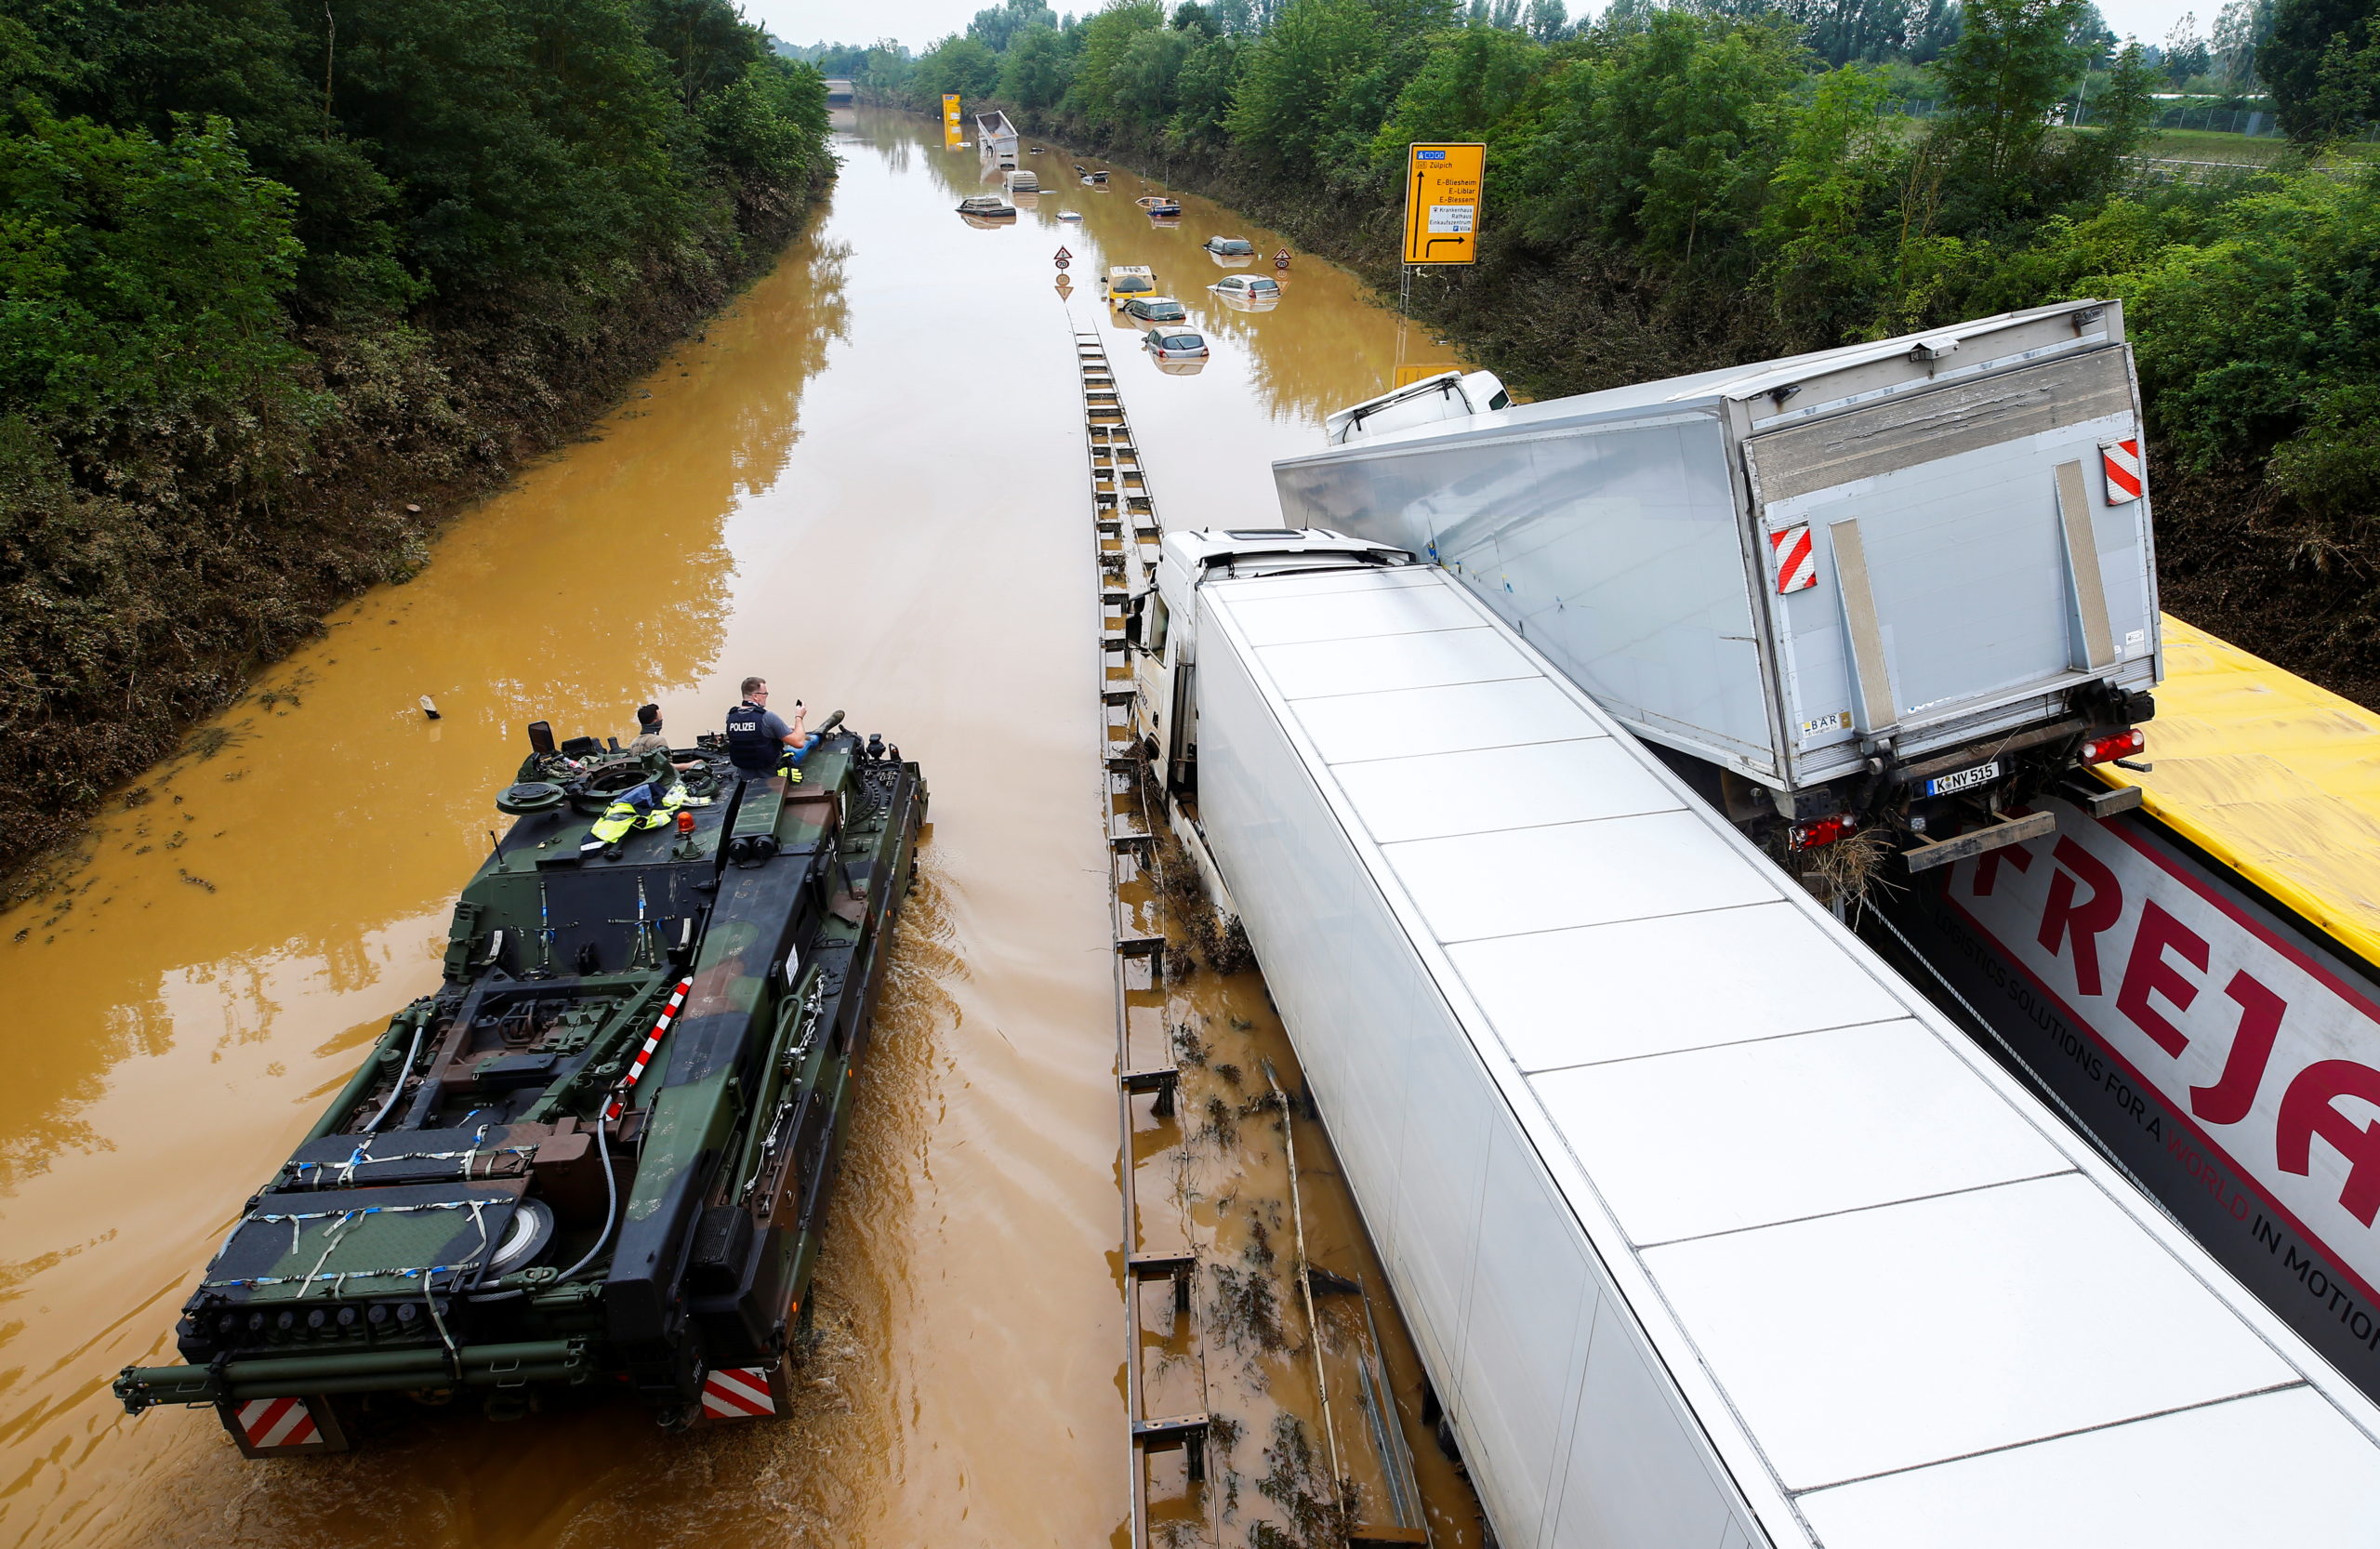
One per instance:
[(865, 481)]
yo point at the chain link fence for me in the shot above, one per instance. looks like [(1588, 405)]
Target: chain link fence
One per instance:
[(2249, 123)]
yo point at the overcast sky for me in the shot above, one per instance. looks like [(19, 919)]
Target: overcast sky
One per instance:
[(919, 22)]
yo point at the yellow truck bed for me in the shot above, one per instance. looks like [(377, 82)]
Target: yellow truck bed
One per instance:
[(2272, 776)]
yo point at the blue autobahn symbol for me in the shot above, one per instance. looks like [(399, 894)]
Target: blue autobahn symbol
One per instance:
[(1429, 156)]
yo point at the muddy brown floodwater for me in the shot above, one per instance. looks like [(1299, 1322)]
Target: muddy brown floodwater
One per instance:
[(867, 481)]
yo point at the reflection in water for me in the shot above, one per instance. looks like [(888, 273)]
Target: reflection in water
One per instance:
[(835, 487)]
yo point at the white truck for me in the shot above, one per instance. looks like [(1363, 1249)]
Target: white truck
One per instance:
[(996, 137), (1447, 395), (1711, 1231), (1908, 583)]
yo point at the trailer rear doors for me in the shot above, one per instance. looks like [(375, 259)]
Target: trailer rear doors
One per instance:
[(1943, 562)]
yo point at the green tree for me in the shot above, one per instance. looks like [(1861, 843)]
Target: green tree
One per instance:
[(770, 126), (1295, 75), (1033, 75), (1145, 82), (2120, 118), (1663, 137), (959, 64), (141, 281), (2013, 62), (1209, 79), (707, 42), (2240, 29), (883, 75), (1468, 82), (2346, 98), (2260, 333), (1829, 263), (2308, 35), (998, 27), (1107, 38)]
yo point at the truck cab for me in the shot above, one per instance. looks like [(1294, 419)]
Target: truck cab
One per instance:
[(1161, 626), (1447, 395)]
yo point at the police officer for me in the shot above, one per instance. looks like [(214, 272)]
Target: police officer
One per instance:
[(759, 741)]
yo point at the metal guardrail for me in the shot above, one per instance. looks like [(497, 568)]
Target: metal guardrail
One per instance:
[(1125, 530), (1165, 1110)]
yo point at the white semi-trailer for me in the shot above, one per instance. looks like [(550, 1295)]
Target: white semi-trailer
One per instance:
[(996, 137), (1712, 1232), (1908, 583)]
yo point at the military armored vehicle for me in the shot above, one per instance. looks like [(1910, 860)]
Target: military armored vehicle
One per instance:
[(596, 1161)]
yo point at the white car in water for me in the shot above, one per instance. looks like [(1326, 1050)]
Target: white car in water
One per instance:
[(1175, 344), (1247, 289)]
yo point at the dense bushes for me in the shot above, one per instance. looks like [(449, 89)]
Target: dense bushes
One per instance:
[(275, 275)]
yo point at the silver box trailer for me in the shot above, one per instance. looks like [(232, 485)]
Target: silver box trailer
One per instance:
[(1865, 579), (996, 137), (1712, 1232)]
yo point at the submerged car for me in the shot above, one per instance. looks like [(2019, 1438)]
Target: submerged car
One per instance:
[(1163, 207), (986, 207), (1230, 247), (1125, 281), (1247, 287), (1155, 308), (594, 1162), (1175, 344)]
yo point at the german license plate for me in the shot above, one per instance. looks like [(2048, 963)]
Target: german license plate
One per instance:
[(1964, 779)]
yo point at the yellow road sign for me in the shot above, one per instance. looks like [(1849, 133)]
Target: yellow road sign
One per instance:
[(1442, 192), (954, 133)]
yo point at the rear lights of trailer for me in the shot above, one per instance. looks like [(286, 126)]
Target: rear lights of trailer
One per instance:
[(1822, 831), (2106, 749)]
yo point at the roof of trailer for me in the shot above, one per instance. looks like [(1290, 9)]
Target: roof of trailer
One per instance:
[(1928, 1315), (1701, 390)]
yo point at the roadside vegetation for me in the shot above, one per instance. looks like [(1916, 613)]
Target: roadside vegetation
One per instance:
[(278, 280), (1672, 188)]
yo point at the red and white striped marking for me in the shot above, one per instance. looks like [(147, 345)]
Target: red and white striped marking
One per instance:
[(269, 1423), (651, 1041), (1797, 567), (2122, 460), (738, 1393)]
